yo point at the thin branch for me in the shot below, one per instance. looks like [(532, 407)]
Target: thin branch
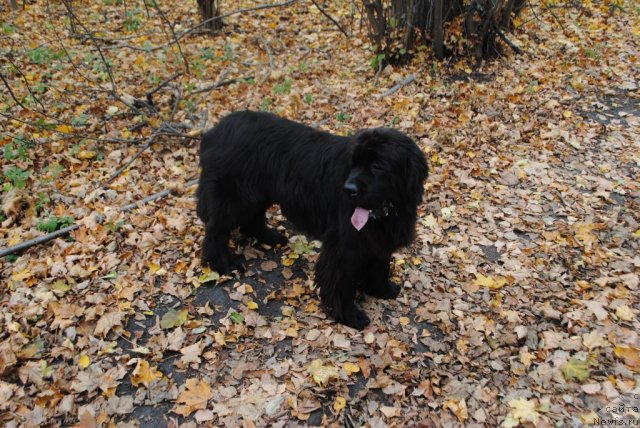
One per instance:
[(126, 165), (219, 84), (397, 87), (50, 236), (95, 43), (26, 82), (236, 12), (512, 45), (163, 84), (330, 18), (11, 92), (175, 38)]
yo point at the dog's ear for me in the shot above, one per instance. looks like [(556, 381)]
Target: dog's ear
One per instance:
[(417, 171)]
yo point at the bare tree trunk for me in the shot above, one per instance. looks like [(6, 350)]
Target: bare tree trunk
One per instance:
[(14, 4), (438, 29), (209, 12)]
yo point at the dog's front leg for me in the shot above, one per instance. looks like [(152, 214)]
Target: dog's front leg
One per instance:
[(375, 278), (335, 275)]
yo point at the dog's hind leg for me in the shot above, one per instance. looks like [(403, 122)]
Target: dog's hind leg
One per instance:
[(254, 226), (222, 219)]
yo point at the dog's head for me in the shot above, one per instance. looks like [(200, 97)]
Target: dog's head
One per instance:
[(387, 167)]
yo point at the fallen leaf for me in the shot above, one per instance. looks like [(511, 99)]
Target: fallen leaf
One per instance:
[(84, 361), (576, 369), (630, 355), (144, 373), (489, 282), (522, 411), (339, 404), (321, 373), (107, 322), (194, 397), (174, 318)]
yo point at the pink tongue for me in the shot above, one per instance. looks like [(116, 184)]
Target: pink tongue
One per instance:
[(359, 218)]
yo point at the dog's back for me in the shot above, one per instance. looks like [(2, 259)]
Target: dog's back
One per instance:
[(257, 159)]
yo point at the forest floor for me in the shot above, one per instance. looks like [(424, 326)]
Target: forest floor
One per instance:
[(519, 303)]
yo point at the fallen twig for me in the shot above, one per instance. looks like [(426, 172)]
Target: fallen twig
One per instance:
[(164, 83), (126, 165), (509, 43), (397, 87), (53, 235), (330, 18)]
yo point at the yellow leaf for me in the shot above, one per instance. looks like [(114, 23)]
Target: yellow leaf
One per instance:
[(489, 282), (458, 408), (144, 374), (252, 305), (522, 410), (194, 397), (86, 154), (625, 313), (65, 129), (219, 338), (636, 234), (339, 404), (566, 114), (526, 358), (350, 368), (322, 374), (404, 320), (21, 275), (153, 267), (84, 361), (288, 262), (630, 355)]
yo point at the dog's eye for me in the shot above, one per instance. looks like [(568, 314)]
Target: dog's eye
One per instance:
[(376, 167)]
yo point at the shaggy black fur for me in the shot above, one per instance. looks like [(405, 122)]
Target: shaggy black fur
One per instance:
[(252, 160)]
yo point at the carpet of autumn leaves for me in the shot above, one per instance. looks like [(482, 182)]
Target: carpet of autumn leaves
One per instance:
[(519, 303)]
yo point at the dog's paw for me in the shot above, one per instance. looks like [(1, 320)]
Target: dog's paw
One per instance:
[(355, 317), (223, 266), (389, 291), (273, 238)]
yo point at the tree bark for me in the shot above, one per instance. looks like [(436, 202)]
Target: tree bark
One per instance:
[(209, 11), (396, 26), (438, 29)]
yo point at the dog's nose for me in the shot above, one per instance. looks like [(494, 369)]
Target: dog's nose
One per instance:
[(350, 189)]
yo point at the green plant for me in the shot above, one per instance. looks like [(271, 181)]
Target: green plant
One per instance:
[(265, 105), (207, 53), (591, 53), (43, 55), (376, 61), (342, 117), (114, 226), (132, 21), (17, 176), (53, 223), (80, 120), (16, 149), (283, 88), (42, 201), (8, 28), (308, 98)]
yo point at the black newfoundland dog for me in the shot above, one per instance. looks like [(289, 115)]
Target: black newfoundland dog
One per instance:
[(358, 195)]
